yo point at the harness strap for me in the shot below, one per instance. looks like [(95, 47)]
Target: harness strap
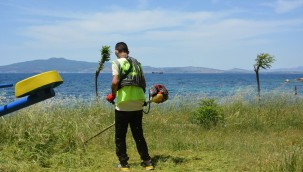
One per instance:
[(125, 79), (139, 72), (123, 76)]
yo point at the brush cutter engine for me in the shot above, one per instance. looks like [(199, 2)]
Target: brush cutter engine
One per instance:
[(158, 93)]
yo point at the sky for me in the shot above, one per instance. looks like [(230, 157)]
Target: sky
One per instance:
[(220, 34)]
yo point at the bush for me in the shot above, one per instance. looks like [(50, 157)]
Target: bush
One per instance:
[(208, 114)]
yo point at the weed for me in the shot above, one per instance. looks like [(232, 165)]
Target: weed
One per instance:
[(208, 114)]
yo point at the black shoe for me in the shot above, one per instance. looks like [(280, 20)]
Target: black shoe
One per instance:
[(148, 165), (123, 167)]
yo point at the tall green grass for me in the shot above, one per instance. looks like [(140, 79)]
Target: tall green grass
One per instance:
[(257, 136)]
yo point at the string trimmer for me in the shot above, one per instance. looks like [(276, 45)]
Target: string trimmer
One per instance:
[(157, 94)]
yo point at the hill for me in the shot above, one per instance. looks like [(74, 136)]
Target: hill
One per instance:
[(237, 70), (294, 70), (60, 64), (71, 66), (188, 69)]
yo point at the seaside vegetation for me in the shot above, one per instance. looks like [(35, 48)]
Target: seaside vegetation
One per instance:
[(263, 135)]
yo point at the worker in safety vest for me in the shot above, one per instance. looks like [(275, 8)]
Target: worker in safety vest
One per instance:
[(128, 87)]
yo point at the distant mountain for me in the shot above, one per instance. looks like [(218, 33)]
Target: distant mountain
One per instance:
[(288, 70), (296, 70), (189, 69), (72, 66), (60, 64), (237, 70)]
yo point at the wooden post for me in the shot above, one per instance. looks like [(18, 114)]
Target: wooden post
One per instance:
[(296, 90)]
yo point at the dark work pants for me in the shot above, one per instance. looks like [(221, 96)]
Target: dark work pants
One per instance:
[(134, 118)]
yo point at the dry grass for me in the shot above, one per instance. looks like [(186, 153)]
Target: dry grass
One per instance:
[(49, 136)]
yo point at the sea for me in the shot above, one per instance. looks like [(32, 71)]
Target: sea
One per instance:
[(81, 85)]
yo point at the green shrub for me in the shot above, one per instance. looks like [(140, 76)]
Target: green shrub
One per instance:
[(208, 114)]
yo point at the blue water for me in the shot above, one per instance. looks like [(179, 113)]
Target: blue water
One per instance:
[(212, 85)]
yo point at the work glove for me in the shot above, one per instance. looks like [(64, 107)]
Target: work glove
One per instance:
[(110, 98)]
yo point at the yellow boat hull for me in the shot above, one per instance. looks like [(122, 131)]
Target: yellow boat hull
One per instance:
[(35, 83)]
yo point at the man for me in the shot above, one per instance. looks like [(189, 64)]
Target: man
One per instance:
[(128, 85)]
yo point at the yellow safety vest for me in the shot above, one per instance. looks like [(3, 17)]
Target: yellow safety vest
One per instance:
[(131, 86)]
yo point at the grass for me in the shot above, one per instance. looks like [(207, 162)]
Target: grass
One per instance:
[(49, 136)]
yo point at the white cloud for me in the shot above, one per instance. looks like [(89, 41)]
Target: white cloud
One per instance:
[(283, 6), (90, 27), (154, 25), (156, 33), (143, 3)]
